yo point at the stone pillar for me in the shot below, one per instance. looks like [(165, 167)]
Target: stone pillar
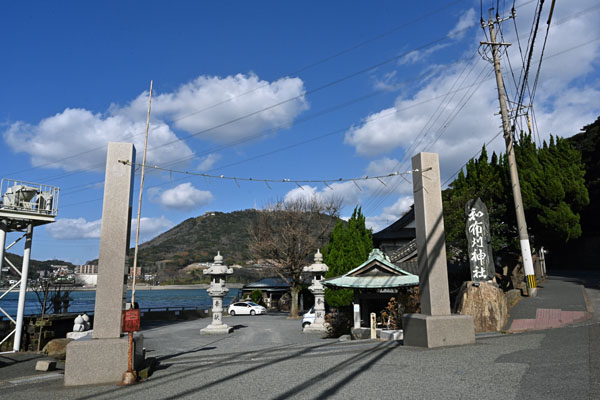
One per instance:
[(217, 291), (435, 326), (114, 241), (318, 270), (104, 359)]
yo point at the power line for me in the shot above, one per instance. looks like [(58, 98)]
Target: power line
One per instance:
[(79, 189), (551, 56), (299, 121), (271, 180), (329, 84), (302, 69)]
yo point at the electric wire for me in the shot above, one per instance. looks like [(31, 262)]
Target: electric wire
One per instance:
[(298, 71), (79, 189), (588, 42)]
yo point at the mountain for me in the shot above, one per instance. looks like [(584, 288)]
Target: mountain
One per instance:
[(198, 240)]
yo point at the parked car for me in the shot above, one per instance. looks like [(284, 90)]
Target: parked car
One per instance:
[(245, 308), (308, 318)]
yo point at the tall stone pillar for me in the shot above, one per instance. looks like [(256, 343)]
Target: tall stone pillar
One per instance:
[(114, 241), (434, 326), (317, 270), (104, 358)]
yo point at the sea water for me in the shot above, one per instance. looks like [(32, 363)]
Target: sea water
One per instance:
[(84, 300)]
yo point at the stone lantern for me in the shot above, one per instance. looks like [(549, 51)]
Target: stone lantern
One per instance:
[(217, 290), (317, 270)]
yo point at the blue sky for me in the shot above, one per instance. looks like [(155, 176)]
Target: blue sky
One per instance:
[(319, 90)]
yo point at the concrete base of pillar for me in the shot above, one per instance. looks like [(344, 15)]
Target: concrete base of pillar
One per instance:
[(216, 330), (438, 330), (97, 361), (313, 328), (80, 335)]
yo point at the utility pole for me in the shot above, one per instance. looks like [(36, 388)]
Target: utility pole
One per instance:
[(510, 151)]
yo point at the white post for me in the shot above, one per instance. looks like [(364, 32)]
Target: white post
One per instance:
[(356, 307), (23, 288), (373, 326), (2, 244)]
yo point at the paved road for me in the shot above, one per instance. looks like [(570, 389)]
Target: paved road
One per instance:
[(267, 357)]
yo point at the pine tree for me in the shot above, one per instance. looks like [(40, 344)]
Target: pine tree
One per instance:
[(349, 246)]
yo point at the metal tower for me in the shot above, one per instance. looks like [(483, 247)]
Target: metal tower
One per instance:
[(23, 205)]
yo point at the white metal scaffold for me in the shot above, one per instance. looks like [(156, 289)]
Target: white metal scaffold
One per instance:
[(23, 205)]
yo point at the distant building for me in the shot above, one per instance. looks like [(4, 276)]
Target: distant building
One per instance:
[(86, 269), (398, 242), (138, 271), (86, 275), (273, 290), (397, 235), (86, 279)]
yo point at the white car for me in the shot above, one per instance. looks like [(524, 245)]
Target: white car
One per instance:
[(308, 318), (245, 308)]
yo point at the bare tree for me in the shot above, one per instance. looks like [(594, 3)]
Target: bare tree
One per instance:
[(287, 234)]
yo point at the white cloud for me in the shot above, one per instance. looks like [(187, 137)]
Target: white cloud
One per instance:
[(183, 197), (419, 55), (351, 193), (304, 192), (563, 103), (79, 228), (388, 83), (390, 214), (74, 228), (466, 21), (149, 227), (77, 138), (207, 162), (206, 105), (65, 139)]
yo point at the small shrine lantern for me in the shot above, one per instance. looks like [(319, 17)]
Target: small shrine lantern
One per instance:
[(317, 270), (217, 290)]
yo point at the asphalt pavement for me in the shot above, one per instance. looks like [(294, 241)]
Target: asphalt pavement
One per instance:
[(268, 357)]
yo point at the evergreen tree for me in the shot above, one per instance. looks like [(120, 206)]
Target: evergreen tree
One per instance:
[(552, 187), (349, 246), (484, 179), (587, 143)]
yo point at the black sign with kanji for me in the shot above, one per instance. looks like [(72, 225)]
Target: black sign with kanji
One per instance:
[(479, 241)]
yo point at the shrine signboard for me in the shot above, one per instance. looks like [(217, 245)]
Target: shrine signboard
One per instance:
[(479, 241)]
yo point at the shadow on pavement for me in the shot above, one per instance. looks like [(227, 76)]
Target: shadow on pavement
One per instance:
[(570, 371), (193, 371)]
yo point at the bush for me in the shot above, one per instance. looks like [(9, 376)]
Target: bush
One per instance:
[(256, 296), (338, 322)]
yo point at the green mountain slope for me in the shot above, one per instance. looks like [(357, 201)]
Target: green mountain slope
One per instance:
[(198, 240)]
